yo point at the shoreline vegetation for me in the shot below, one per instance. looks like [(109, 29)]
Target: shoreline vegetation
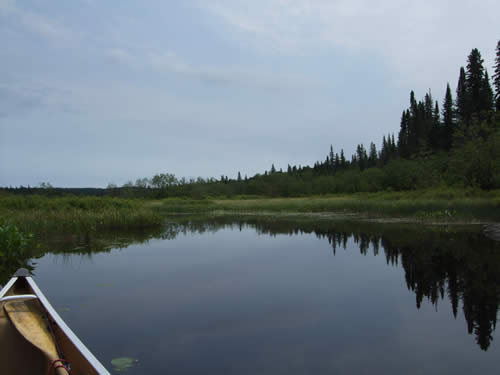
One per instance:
[(461, 206), (42, 215)]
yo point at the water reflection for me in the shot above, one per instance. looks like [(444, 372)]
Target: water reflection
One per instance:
[(454, 264), (457, 264), (77, 243)]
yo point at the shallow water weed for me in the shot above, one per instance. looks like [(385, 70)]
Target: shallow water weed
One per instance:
[(123, 364)]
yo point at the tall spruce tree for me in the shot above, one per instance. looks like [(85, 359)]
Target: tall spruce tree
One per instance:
[(462, 98), (362, 157), (486, 94), (372, 158), (448, 119), (427, 136), (436, 136), (474, 82), (343, 162), (331, 166), (413, 125), (403, 135), (394, 147), (496, 78)]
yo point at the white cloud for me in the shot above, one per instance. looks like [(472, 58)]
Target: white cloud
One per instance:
[(421, 39), (170, 62), (19, 97), (44, 26), (36, 22)]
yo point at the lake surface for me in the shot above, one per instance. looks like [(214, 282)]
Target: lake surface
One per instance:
[(283, 296)]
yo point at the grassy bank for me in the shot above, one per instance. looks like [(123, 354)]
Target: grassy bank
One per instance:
[(432, 205), (37, 214)]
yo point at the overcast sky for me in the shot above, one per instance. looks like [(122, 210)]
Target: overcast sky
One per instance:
[(93, 92)]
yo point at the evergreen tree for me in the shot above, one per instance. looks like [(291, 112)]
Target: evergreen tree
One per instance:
[(403, 135), (239, 176), (422, 127), (342, 159), (486, 94), (496, 78), (474, 82), (436, 135), (372, 158), (394, 147), (273, 169), (384, 157), (414, 124), (331, 166), (448, 119), (462, 98), (361, 156)]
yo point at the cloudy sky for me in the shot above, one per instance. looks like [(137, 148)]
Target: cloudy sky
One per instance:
[(93, 92)]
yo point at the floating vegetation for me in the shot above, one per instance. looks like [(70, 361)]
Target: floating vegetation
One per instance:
[(122, 364)]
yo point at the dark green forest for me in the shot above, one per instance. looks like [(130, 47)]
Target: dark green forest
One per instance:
[(452, 144)]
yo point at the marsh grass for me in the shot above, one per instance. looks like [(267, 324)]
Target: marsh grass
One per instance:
[(431, 205), (37, 214)]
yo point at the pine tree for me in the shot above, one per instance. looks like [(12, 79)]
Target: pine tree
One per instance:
[(448, 118), (239, 176), (496, 78), (273, 169), (462, 98)]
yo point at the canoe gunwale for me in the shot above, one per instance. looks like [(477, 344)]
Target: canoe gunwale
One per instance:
[(18, 297), (67, 331), (89, 357), (8, 286)]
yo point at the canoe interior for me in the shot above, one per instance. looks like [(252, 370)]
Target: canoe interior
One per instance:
[(19, 356)]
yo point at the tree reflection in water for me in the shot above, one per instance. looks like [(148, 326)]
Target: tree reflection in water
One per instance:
[(458, 264)]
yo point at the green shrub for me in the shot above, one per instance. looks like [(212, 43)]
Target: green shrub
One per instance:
[(12, 241)]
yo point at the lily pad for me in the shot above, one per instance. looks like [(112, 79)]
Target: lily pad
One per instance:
[(123, 363)]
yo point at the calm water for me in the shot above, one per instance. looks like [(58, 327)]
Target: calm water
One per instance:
[(284, 297)]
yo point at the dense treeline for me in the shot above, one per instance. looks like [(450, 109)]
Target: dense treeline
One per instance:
[(457, 146)]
